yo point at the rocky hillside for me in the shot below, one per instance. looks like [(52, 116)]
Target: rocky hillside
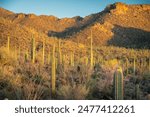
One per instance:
[(118, 24)]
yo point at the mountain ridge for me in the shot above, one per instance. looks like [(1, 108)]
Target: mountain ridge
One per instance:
[(113, 23)]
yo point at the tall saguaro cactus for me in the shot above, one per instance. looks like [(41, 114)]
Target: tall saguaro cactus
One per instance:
[(33, 50), (8, 44), (134, 65), (59, 52), (118, 84), (91, 51), (53, 72), (43, 52)]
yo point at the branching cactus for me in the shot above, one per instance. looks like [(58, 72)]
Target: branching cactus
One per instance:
[(118, 84), (53, 72), (33, 50)]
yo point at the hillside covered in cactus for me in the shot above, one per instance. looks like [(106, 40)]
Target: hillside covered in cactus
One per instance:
[(105, 55)]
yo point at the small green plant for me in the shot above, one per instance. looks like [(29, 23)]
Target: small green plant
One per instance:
[(118, 84)]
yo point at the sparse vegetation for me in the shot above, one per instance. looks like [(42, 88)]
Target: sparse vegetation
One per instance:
[(85, 65)]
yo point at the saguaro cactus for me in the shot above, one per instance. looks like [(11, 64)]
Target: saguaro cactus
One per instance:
[(118, 84), (137, 91), (59, 52), (134, 66), (91, 51), (8, 44), (127, 64), (43, 52), (53, 72), (72, 59), (33, 50)]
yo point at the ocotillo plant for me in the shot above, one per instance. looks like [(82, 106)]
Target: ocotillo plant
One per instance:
[(53, 72), (118, 84), (43, 52), (8, 44), (33, 50), (91, 51)]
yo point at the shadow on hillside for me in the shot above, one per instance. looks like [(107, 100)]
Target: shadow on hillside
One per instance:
[(81, 25), (130, 37)]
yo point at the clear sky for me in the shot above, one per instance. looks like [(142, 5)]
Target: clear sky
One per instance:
[(62, 8)]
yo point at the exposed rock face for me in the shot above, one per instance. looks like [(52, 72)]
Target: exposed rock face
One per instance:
[(119, 24)]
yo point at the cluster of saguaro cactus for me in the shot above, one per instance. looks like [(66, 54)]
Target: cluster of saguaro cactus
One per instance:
[(33, 50), (118, 84), (53, 71)]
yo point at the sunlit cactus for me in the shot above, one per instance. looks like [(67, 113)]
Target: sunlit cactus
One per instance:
[(43, 52), (33, 49), (127, 65), (134, 65), (53, 71), (59, 52), (72, 59), (118, 84), (91, 50), (8, 44)]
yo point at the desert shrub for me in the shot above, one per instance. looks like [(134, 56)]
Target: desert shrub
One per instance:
[(72, 92)]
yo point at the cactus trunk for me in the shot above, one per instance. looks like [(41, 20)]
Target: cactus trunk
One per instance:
[(91, 51), (53, 72), (118, 84), (33, 50), (43, 53)]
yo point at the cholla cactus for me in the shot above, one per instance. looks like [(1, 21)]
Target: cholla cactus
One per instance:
[(118, 84)]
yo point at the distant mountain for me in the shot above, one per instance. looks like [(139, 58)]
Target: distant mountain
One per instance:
[(118, 24)]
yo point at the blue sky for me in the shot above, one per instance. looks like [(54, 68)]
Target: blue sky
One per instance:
[(62, 8)]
